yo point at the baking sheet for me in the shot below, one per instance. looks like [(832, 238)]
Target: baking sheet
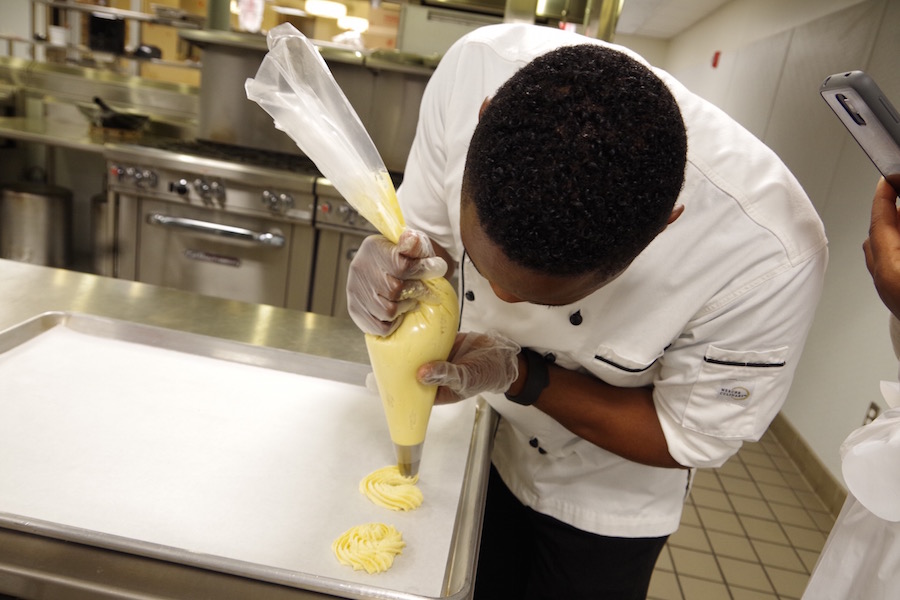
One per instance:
[(230, 466)]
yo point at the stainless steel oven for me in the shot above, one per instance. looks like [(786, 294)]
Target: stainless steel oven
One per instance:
[(339, 230), (221, 221)]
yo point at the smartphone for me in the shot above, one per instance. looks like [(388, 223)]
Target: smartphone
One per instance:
[(869, 117)]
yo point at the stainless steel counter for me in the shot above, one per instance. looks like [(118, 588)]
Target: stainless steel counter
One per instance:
[(36, 566), (43, 131), (28, 290)]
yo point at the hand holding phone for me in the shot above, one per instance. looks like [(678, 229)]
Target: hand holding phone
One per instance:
[(882, 247), (869, 116)]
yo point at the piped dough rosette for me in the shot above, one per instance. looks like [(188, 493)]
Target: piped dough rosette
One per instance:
[(387, 488), (372, 547)]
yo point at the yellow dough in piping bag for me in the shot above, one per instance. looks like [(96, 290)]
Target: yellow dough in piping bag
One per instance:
[(295, 86), (426, 334)]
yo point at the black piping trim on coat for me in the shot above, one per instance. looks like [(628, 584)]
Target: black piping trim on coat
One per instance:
[(462, 288), (626, 369), (690, 478), (731, 363)]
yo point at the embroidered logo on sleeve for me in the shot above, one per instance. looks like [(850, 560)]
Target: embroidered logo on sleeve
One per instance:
[(735, 391)]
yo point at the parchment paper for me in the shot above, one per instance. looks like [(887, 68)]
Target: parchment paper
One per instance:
[(214, 457)]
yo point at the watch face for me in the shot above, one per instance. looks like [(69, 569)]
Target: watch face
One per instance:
[(250, 14)]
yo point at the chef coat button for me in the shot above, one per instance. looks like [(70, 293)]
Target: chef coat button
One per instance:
[(576, 318), (550, 357), (470, 295), (542, 451), (533, 442)]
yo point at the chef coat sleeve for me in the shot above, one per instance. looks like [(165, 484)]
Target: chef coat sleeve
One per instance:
[(424, 193), (726, 377)]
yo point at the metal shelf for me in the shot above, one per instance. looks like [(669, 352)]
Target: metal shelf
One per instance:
[(90, 53), (182, 19), (78, 52)]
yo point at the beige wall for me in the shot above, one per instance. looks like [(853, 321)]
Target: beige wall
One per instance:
[(742, 22), (656, 51)]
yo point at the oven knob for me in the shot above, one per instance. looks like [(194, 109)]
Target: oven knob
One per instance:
[(145, 179), (201, 186), (278, 203), (179, 187), (285, 202), (217, 191), (348, 213), (207, 192), (117, 172)]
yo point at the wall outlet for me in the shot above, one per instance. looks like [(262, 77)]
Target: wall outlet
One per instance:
[(871, 413)]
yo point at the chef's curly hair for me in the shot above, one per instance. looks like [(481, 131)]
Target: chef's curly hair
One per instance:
[(576, 163)]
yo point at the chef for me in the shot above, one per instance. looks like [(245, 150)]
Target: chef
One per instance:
[(637, 274)]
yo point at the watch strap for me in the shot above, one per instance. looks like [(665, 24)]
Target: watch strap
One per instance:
[(537, 377)]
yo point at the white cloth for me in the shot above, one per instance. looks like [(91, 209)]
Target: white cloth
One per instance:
[(861, 558), (713, 313)]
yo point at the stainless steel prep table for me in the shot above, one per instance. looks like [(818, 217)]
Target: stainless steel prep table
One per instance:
[(51, 133), (38, 566)]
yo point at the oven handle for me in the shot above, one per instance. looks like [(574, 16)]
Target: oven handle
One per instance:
[(265, 238)]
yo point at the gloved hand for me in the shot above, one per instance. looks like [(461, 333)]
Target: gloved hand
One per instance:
[(385, 280), (478, 362)]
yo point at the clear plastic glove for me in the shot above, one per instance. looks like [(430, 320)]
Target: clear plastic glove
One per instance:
[(385, 279), (478, 362)]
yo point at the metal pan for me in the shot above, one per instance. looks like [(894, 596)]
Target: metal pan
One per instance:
[(72, 557), (107, 117)]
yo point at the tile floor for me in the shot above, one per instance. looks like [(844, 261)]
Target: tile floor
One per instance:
[(751, 530)]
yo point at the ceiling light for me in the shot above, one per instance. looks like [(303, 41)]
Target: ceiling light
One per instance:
[(357, 24), (326, 8), (286, 10)]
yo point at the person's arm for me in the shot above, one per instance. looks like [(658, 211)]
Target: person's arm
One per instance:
[(621, 420)]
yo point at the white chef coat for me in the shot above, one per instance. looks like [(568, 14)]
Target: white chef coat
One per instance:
[(713, 313)]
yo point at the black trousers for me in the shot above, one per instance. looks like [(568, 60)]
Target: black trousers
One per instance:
[(529, 556)]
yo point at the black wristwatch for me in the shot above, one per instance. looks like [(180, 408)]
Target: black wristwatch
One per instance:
[(536, 379)]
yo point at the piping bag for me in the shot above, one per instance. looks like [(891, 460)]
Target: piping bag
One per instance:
[(295, 86)]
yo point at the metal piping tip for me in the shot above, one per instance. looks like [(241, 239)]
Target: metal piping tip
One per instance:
[(408, 459), (408, 469)]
